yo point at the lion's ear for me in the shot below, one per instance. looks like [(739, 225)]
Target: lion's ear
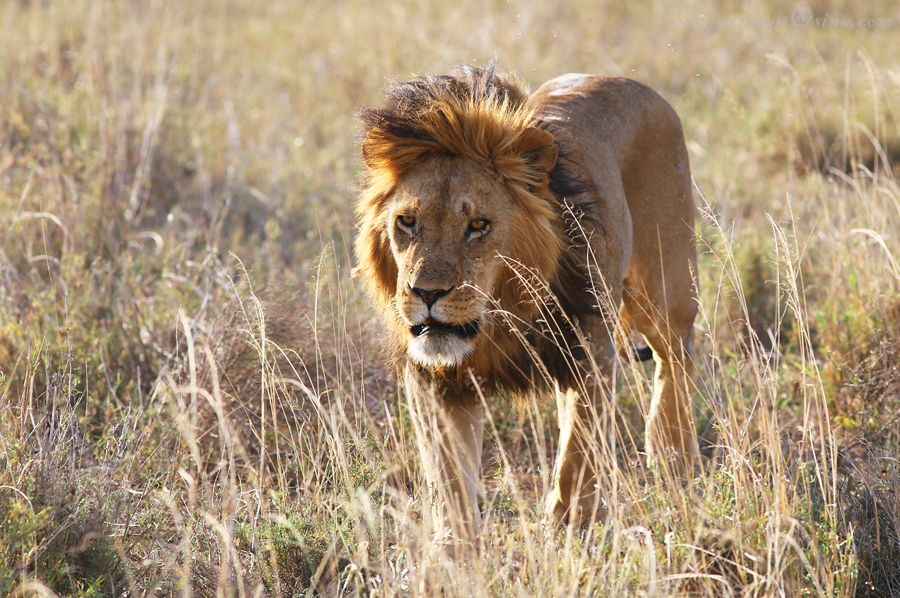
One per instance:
[(540, 151), (540, 148), (371, 153)]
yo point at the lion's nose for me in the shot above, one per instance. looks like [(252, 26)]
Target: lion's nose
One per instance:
[(429, 296)]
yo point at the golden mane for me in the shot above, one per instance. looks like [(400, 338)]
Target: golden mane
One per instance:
[(481, 115), (477, 114)]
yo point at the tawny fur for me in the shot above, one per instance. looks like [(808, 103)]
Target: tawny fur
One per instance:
[(543, 222)]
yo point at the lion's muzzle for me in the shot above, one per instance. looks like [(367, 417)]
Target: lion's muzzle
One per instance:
[(443, 317), (431, 326), (436, 344)]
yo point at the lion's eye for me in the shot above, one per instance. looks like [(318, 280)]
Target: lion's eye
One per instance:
[(406, 221), (479, 225)]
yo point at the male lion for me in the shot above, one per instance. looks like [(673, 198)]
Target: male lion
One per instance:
[(503, 239)]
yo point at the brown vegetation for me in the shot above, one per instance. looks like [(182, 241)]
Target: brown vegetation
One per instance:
[(192, 395)]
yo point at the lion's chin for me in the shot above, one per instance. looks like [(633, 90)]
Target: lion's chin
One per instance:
[(436, 351)]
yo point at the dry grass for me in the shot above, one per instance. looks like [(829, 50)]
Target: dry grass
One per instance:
[(192, 397)]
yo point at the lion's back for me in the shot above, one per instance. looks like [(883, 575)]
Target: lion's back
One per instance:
[(628, 141)]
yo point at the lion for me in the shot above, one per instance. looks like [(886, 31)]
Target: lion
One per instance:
[(509, 243)]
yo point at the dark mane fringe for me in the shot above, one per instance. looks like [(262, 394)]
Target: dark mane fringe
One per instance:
[(559, 343), (573, 196)]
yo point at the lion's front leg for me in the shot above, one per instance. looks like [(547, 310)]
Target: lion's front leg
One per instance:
[(585, 420), (449, 432)]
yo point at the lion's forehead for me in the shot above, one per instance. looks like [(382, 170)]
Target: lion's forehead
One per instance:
[(451, 188)]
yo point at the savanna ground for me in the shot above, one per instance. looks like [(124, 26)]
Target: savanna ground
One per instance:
[(193, 400)]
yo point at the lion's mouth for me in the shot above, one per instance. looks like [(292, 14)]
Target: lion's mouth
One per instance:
[(432, 326)]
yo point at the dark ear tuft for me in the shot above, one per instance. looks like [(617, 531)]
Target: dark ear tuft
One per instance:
[(544, 159)]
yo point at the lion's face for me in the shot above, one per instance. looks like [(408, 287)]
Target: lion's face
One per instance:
[(449, 226), (458, 225)]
